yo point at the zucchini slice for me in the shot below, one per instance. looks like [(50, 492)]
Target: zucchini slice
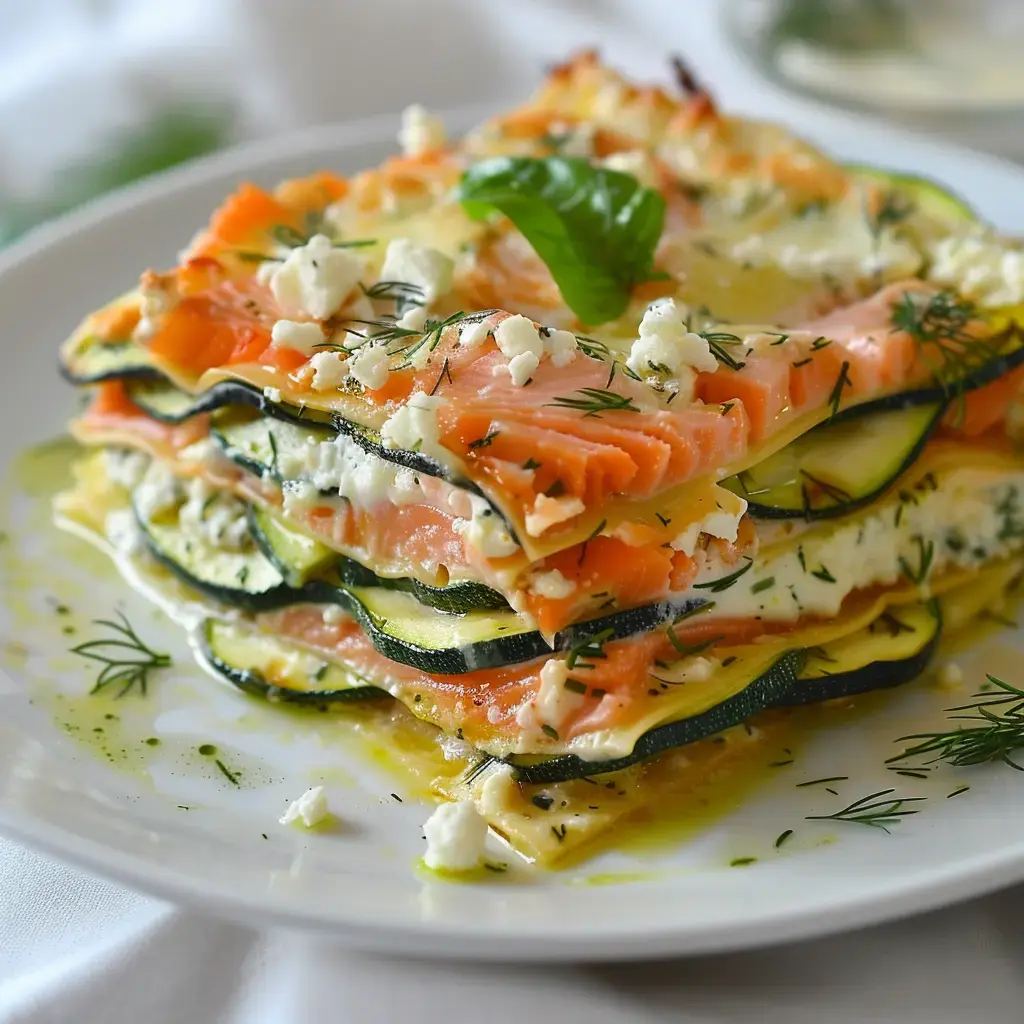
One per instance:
[(261, 445), (837, 467), (928, 197), (892, 650), (896, 647), (396, 623), (243, 579), (300, 558), (94, 361), (277, 670)]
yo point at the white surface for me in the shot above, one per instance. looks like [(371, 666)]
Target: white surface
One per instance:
[(71, 948)]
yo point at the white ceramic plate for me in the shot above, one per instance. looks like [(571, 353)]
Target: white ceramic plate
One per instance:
[(359, 882)]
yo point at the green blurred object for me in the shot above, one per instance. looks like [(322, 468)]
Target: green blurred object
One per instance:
[(174, 136), (842, 26)]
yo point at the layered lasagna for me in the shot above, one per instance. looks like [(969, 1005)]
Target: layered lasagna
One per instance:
[(584, 441)]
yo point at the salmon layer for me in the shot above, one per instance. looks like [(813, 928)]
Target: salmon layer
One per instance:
[(422, 540)]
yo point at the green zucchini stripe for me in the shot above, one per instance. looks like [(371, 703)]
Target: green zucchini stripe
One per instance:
[(397, 624)]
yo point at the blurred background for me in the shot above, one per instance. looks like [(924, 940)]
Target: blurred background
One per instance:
[(97, 93)]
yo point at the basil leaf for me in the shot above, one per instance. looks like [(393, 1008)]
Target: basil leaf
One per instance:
[(594, 228)]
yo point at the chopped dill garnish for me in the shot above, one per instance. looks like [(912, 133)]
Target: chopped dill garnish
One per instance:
[(126, 659), (596, 401)]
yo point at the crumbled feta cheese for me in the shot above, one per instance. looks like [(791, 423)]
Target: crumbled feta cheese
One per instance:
[(486, 531), (666, 348), (426, 269), (456, 834), (522, 367), (272, 395), (516, 335), (473, 334), (159, 491), (316, 279), (553, 702), (983, 269), (414, 426), (550, 583), (298, 497), (333, 614), (302, 336), (524, 346), (329, 370), (311, 808), (215, 518), (421, 131), (414, 319), (125, 467), (548, 512), (561, 346), (342, 465), (369, 366), (123, 531), (721, 524)]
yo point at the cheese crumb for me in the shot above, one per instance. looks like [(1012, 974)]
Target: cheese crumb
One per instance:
[(414, 426), (272, 395), (473, 334), (524, 346), (329, 370), (665, 348), (311, 808), (426, 269), (548, 512), (486, 531), (316, 279), (333, 614), (302, 336), (456, 834), (561, 346), (551, 583), (369, 366), (421, 131)]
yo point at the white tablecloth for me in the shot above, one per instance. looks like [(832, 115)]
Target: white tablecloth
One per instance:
[(75, 949)]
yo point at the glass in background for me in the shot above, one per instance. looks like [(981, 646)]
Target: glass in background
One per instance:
[(949, 67)]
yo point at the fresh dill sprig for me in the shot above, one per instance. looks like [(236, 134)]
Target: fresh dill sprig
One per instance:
[(938, 323), (588, 648), (717, 586), (402, 293), (718, 342), (836, 395), (926, 552), (596, 401), (996, 733), (126, 659), (877, 810)]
